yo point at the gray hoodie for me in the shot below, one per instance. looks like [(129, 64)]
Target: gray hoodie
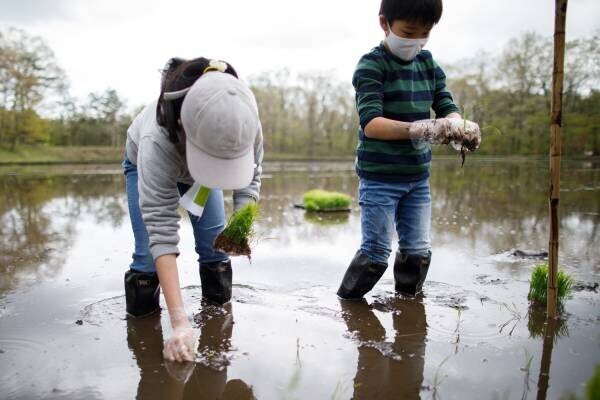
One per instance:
[(160, 167)]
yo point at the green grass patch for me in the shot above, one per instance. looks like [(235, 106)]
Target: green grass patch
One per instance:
[(43, 154), (235, 237), (593, 386), (322, 200), (538, 285)]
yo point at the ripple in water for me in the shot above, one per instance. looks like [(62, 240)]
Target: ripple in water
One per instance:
[(112, 310), (106, 311), (458, 315), (21, 359)]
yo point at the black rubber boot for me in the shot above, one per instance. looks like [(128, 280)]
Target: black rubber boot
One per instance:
[(216, 281), (360, 277), (410, 272), (141, 293)]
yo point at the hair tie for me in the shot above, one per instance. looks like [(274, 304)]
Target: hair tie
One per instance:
[(215, 65)]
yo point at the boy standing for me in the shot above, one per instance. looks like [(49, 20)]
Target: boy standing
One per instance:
[(397, 84)]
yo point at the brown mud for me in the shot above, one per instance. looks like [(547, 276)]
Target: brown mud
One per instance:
[(227, 245)]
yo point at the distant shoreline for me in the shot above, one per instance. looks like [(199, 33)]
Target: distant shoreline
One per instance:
[(59, 155)]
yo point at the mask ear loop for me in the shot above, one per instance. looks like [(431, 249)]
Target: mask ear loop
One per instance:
[(176, 95)]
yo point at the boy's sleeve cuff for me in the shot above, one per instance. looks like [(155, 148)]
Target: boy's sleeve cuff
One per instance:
[(364, 121)]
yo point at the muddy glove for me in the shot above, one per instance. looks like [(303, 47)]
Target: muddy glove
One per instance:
[(180, 346), (432, 131), (467, 133), (447, 131), (240, 201)]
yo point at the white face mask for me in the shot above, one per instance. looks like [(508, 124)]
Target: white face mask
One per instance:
[(406, 49)]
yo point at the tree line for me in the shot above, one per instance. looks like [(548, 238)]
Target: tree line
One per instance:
[(312, 114)]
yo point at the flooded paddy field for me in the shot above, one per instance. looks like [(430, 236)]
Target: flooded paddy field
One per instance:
[(65, 243)]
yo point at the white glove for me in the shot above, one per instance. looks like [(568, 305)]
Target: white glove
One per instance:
[(180, 346)]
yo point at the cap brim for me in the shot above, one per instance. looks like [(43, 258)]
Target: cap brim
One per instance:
[(219, 173)]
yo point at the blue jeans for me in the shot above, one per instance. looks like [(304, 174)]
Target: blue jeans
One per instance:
[(206, 228), (407, 205)]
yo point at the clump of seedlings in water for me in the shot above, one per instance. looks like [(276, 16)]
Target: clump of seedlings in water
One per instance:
[(235, 237), (538, 285), (323, 200)]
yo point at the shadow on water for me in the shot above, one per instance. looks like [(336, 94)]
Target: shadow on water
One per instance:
[(65, 242), (387, 369), (204, 379)]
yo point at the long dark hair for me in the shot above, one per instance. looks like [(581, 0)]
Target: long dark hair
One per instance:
[(179, 74)]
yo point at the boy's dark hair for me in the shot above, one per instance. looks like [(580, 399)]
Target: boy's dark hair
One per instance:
[(425, 12), (179, 74)]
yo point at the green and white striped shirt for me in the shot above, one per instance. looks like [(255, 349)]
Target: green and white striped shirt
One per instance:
[(387, 86)]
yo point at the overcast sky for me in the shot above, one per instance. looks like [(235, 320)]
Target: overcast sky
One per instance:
[(121, 43)]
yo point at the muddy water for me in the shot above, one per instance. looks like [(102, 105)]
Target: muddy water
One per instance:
[(65, 243)]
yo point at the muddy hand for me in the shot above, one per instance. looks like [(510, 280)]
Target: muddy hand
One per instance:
[(465, 133)]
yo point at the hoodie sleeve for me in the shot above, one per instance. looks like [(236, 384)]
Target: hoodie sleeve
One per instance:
[(159, 197), (241, 196)]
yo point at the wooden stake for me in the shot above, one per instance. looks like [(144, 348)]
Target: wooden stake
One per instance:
[(555, 150)]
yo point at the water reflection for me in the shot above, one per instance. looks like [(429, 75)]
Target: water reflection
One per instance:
[(489, 208), (388, 370), (38, 218), (204, 379), (537, 323), (508, 202), (326, 219), (53, 223)]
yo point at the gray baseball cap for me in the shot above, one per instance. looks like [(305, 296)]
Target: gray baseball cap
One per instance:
[(220, 119)]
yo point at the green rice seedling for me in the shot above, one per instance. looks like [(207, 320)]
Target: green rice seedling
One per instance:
[(527, 370), (538, 285), (234, 238), (438, 378), (322, 200), (593, 385), (515, 317)]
